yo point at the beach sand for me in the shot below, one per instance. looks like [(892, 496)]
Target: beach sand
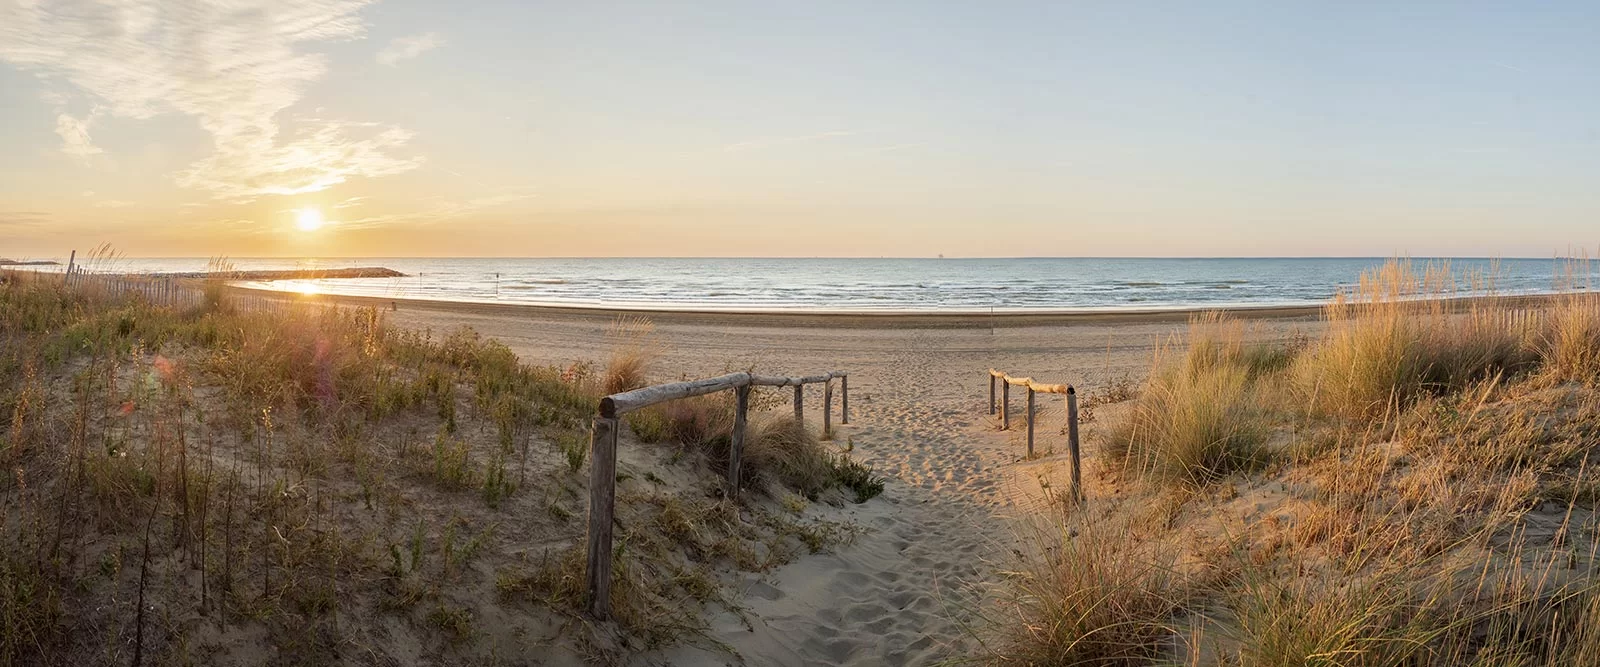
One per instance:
[(911, 588)]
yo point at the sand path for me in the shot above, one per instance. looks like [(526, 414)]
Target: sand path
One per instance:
[(908, 591)]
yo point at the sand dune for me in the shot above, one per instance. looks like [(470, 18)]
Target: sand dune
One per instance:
[(910, 590)]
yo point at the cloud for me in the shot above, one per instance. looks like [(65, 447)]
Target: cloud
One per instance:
[(75, 139), (23, 218), (234, 67), (441, 209), (406, 48)]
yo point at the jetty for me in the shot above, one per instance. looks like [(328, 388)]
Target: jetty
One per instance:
[(291, 274)]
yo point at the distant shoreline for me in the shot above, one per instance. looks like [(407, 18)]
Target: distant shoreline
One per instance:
[(849, 319)]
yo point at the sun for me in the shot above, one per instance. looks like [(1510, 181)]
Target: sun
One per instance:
[(308, 220)]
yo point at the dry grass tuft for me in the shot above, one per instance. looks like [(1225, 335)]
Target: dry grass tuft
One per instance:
[(634, 350), (1201, 418), (782, 450), (1096, 594)]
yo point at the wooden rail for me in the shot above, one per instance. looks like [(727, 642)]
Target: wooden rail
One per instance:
[(1005, 383), (603, 443)]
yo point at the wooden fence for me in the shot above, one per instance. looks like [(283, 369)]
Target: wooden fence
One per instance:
[(1006, 382), (159, 290), (603, 443)]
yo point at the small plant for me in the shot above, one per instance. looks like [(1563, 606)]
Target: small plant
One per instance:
[(451, 464), (858, 477), (576, 449), (455, 622), (496, 485)]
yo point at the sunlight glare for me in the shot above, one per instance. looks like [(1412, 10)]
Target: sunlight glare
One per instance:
[(309, 220)]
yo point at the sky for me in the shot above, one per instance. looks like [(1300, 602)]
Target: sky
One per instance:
[(750, 128)]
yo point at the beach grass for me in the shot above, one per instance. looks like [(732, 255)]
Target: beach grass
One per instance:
[(1414, 486), (292, 482)]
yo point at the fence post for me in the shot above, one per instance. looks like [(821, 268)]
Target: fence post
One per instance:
[(827, 410), (991, 394), (72, 263), (602, 510), (799, 404), (844, 400), (1072, 441), (1030, 423), (1005, 405), (741, 408)]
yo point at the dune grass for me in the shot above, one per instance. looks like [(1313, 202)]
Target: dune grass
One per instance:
[(306, 483), (1447, 514), (1202, 417)]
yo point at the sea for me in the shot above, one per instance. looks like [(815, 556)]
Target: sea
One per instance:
[(885, 285)]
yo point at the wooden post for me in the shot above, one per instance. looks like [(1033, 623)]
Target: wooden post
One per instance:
[(741, 410), (1072, 442), (844, 400), (799, 404), (991, 393), (602, 511), (1005, 405), (72, 263), (1030, 422), (827, 410)]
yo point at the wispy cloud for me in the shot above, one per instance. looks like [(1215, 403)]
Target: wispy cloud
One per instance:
[(406, 48), (769, 142), (892, 148), (232, 66), (75, 139), (351, 202), (440, 209), (23, 218)]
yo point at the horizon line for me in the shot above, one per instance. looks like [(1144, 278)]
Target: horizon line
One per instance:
[(850, 257)]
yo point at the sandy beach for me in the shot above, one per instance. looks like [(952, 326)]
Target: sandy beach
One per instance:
[(910, 590)]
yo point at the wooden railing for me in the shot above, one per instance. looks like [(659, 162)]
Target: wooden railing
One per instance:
[(1006, 382), (603, 468)]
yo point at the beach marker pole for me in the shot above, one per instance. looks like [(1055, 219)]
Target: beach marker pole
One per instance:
[(1005, 406), (844, 399), (1030, 422), (602, 510), (799, 404), (741, 408), (991, 394), (1072, 442), (827, 410)]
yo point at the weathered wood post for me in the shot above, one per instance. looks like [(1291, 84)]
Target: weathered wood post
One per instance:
[(799, 403), (602, 510), (1005, 404), (844, 399), (827, 409), (991, 393), (1072, 442), (1030, 422), (741, 410), (72, 263)]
